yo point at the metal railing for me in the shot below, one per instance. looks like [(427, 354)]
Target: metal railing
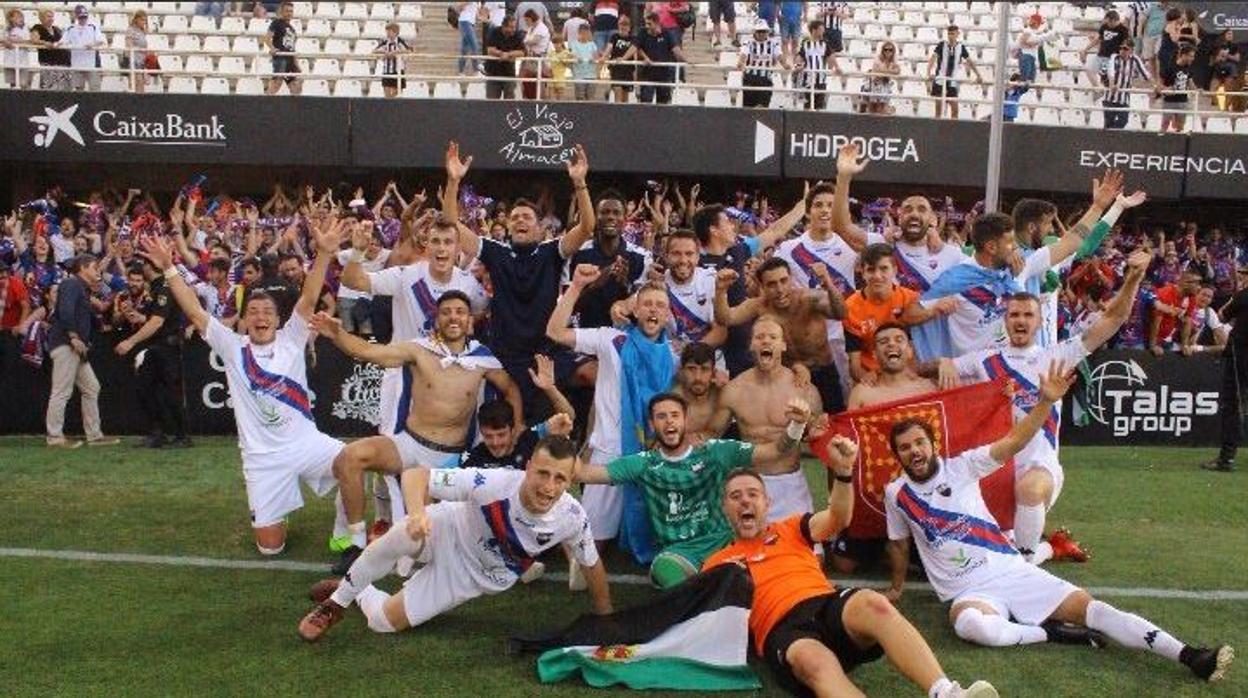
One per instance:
[(535, 71)]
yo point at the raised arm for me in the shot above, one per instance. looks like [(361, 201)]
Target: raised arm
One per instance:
[(544, 380), (578, 168), (160, 252), (557, 326), (731, 316), (456, 168), (834, 519), (328, 235), (830, 303), (778, 230), (387, 355), (1119, 308), (353, 274), (1053, 385), (1106, 194), (848, 164)]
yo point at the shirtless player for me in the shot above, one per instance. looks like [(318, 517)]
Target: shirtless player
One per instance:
[(447, 370), (695, 382), (803, 314), (758, 399)]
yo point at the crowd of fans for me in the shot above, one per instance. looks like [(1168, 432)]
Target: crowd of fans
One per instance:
[(617, 47), (231, 243)]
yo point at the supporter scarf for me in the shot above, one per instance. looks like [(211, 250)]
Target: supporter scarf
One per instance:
[(646, 369), (931, 339), (35, 343), (475, 356)]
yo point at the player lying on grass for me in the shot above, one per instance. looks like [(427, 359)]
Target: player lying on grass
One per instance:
[(480, 539), (267, 375), (810, 633), (998, 599)]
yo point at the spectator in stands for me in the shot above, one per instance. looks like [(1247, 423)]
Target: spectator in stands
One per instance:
[(945, 68), (561, 60), (504, 46), (469, 46), (1172, 86), (879, 83), (280, 40), (47, 37), (791, 25), (1107, 40), (813, 61), (1174, 304), (606, 22), (622, 46), (211, 9), (1154, 29), (1171, 33), (585, 66), (135, 57), (83, 39), (1120, 72), (1227, 75), (536, 47), (767, 11), (17, 59), (1030, 39), (723, 12), (15, 305), (655, 46), (391, 48), (833, 15), (669, 14), (69, 340), (495, 13), (1014, 91), (572, 25), (760, 57)]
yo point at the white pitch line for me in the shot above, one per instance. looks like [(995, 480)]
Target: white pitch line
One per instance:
[(296, 566)]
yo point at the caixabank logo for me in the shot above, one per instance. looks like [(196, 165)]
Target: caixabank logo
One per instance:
[(111, 126), (1120, 395)]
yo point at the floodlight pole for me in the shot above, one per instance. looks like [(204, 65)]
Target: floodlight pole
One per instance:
[(992, 185)]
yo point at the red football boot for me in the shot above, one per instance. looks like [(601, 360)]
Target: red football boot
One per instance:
[(1065, 547), (320, 619)]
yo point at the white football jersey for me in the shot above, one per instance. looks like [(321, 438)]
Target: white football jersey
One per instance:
[(495, 531), (958, 540), (416, 294), (693, 307), (978, 319), (606, 344), (918, 267), (268, 385), (1025, 366)]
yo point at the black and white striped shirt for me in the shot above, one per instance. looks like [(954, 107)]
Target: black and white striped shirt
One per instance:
[(828, 12), (1119, 72), (761, 55), (388, 48), (815, 55)]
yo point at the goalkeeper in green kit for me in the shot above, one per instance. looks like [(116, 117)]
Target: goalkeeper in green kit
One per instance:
[(683, 484)]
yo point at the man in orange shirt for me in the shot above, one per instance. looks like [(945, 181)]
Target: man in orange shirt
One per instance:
[(1174, 301), (807, 631), (882, 301)]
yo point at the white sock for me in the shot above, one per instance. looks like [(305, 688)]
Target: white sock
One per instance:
[(992, 630), (1130, 630), (940, 688), (359, 535), (1028, 527), (375, 562), (372, 602), (340, 517)]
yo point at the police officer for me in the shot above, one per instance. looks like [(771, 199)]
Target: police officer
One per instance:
[(1234, 375), (156, 349)]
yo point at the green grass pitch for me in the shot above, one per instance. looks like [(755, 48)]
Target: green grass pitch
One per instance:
[(78, 628)]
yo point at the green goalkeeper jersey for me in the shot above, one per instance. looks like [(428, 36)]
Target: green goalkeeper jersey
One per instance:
[(683, 494)]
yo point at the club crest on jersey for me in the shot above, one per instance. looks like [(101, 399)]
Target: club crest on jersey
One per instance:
[(615, 653), (543, 537), (445, 478), (944, 490), (478, 480)]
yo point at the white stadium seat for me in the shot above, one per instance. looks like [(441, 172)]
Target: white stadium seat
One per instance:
[(475, 90), (216, 44), (232, 26), (203, 24), (182, 84), (316, 87), (198, 65), (215, 86), (685, 96), (249, 86), (173, 24), (446, 90), (348, 88), (718, 98)]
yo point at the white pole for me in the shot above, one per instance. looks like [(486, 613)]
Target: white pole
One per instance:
[(992, 185)]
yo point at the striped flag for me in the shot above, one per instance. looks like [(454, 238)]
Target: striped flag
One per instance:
[(692, 637), (963, 418)]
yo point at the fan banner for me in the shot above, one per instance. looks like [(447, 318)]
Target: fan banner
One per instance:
[(962, 418)]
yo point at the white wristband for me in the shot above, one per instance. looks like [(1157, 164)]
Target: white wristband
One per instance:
[(795, 430), (357, 256), (171, 272), (1111, 216)]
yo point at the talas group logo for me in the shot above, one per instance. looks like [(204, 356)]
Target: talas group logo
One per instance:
[(109, 127), (1119, 395)]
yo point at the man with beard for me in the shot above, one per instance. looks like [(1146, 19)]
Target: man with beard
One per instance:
[(921, 254), (803, 314), (691, 294), (1034, 224), (695, 382), (290, 267), (623, 262), (633, 365), (810, 633), (1038, 473), (683, 482), (266, 370), (997, 598), (414, 290), (448, 369), (525, 274), (759, 400), (831, 251), (982, 282)]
